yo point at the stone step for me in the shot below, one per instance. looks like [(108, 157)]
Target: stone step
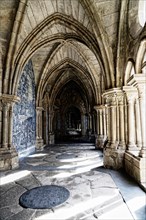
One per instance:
[(102, 207)]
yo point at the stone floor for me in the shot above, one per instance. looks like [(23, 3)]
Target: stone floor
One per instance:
[(95, 192)]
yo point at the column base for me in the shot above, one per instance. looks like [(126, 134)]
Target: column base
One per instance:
[(100, 141), (121, 146), (51, 138), (133, 149), (8, 159), (40, 144), (136, 167), (113, 158), (142, 153)]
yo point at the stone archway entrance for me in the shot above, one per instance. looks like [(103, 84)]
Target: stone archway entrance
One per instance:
[(71, 119)]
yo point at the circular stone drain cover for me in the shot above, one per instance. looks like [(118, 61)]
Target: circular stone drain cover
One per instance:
[(66, 156), (44, 197)]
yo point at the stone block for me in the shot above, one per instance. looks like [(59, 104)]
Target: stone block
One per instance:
[(8, 159), (135, 167), (113, 158)]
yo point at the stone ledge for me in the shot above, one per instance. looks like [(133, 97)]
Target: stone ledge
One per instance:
[(136, 167), (139, 162)]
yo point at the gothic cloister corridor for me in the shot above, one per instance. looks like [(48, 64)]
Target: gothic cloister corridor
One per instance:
[(73, 108)]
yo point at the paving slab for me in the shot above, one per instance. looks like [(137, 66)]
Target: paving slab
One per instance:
[(93, 192)]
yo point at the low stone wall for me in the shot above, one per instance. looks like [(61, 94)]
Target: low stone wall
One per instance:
[(136, 167)]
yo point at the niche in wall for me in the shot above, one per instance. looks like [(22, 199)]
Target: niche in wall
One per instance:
[(24, 114)]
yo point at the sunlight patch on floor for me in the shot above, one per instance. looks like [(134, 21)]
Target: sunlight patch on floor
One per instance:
[(13, 177), (66, 213)]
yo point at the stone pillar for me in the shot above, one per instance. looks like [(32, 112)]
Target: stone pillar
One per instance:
[(101, 126), (83, 125), (131, 94), (138, 125), (113, 122), (104, 122), (39, 139), (135, 164), (10, 130), (51, 133), (90, 121), (100, 122), (142, 101), (45, 119), (5, 125), (89, 126), (138, 82), (8, 154), (93, 123), (111, 103), (121, 109), (113, 154)]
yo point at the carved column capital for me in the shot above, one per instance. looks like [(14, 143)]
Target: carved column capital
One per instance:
[(112, 95), (98, 107), (10, 98), (131, 93), (138, 81), (121, 99)]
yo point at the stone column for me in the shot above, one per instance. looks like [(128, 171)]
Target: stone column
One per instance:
[(113, 122), (142, 101), (135, 163), (100, 122), (83, 127), (8, 154), (121, 100), (90, 121), (5, 125), (51, 134), (113, 155), (108, 112), (131, 94), (45, 123), (101, 126), (138, 82), (104, 122), (39, 139), (138, 125), (97, 124), (93, 122), (10, 130), (111, 118)]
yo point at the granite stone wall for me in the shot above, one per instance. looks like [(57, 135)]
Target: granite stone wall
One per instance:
[(24, 114)]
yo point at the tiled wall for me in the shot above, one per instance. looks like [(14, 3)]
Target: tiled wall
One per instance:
[(24, 114)]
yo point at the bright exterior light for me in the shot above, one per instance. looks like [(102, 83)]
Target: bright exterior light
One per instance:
[(142, 12)]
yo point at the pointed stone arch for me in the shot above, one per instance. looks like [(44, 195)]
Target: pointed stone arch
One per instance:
[(140, 59), (130, 70)]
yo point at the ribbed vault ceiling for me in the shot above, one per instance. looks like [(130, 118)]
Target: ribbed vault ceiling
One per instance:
[(66, 40)]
